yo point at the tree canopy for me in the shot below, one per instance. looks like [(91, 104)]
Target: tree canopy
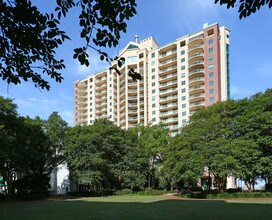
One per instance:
[(29, 38), (246, 7)]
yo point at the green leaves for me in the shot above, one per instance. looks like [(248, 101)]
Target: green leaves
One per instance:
[(246, 7), (29, 38)]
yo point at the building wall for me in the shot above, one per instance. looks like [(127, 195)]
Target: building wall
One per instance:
[(177, 79)]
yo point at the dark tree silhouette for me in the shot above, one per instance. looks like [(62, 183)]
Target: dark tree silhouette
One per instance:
[(29, 38), (246, 7)]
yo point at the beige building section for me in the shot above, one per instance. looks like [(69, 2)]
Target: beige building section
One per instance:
[(189, 73)]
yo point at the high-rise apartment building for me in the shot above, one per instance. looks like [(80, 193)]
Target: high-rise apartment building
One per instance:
[(177, 79)]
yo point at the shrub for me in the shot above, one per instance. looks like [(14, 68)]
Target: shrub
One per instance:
[(233, 190), (123, 192), (151, 192), (195, 189), (2, 197)]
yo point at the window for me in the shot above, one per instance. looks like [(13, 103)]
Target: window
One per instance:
[(211, 99), (183, 98), (132, 59), (211, 83), (153, 76), (91, 115), (91, 110), (183, 121), (91, 104), (182, 67), (183, 60), (110, 103), (153, 119), (183, 82), (153, 98), (91, 86), (183, 106), (210, 58), (211, 91), (227, 36), (153, 70), (91, 98), (164, 84), (210, 50), (110, 110), (153, 105), (110, 79), (153, 84), (210, 32), (110, 85), (183, 113), (110, 97), (211, 74), (210, 41), (153, 91), (153, 55), (154, 112), (182, 75), (182, 52), (211, 66), (183, 90), (182, 43), (91, 92), (152, 63)]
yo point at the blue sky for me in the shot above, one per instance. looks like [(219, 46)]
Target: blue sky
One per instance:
[(250, 50)]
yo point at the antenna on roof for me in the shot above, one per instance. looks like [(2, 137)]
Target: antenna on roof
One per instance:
[(136, 38)]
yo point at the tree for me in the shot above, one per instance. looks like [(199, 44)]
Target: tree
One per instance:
[(94, 154), (8, 131), (153, 140), (246, 7), (29, 38)]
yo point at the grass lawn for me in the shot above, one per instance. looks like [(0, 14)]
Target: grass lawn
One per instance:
[(137, 207)]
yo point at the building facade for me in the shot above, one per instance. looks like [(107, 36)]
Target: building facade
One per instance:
[(177, 79)]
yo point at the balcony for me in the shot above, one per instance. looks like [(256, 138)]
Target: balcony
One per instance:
[(168, 70), (82, 114), (82, 92), (82, 97), (82, 85), (167, 78), (81, 103), (196, 81), (168, 114), (196, 105), (196, 89), (197, 97), (101, 80), (167, 85), (100, 87), (168, 54), (82, 108), (168, 92), (168, 106), (100, 99), (196, 56), (196, 64), (196, 38), (196, 73), (132, 98), (101, 93), (196, 46), (168, 99), (168, 63), (132, 91)]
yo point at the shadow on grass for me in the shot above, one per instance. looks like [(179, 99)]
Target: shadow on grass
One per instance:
[(114, 209)]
